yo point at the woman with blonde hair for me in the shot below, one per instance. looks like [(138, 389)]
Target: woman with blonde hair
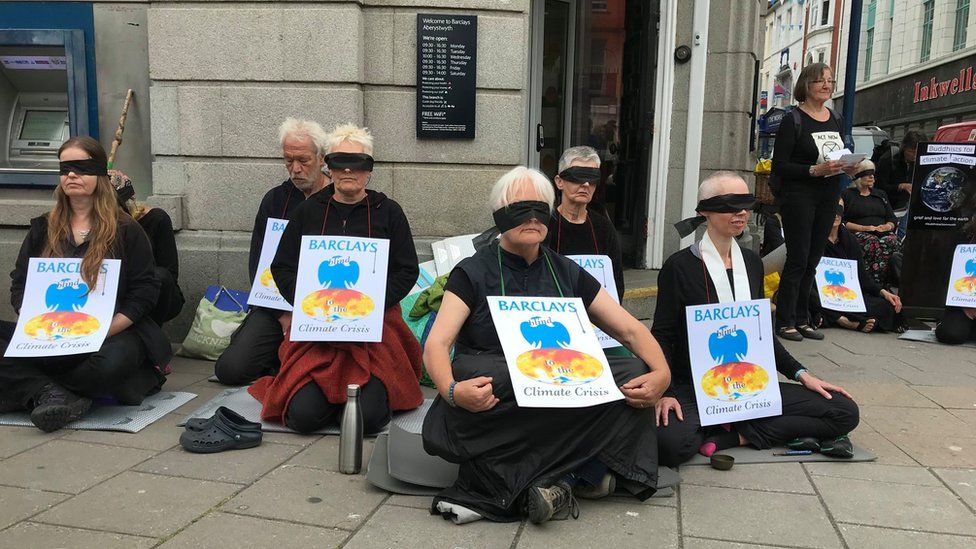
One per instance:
[(86, 223)]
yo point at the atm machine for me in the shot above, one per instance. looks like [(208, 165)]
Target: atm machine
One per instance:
[(41, 105)]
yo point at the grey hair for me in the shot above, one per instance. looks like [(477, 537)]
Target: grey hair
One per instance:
[(583, 152), (712, 185), (507, 185), (865, 164), (304, 130), (353, 134)]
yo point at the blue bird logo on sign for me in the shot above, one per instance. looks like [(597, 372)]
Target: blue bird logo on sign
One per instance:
[(728, 345), (544, 333), (66, 295), (835, 277), (338, 272), (971, 267)]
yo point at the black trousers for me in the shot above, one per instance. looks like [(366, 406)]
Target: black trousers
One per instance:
[(118, 370), (171, 299), (309, 410), (805, 414), (955, 327), (808, 213), (253, 349)]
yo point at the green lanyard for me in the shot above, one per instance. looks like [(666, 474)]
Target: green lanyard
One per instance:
[(501, 273)]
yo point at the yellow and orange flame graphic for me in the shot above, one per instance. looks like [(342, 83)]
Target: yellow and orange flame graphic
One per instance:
[(836, 291), (329, 305), (267, 280), (58, 325), (965, 285), (734, 381), (559, 366)]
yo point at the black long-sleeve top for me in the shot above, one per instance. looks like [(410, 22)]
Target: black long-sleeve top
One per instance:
[(596, 236), (138, 285), (279, 202), (376, 216), (159, 228), (891, 171), (793, 155), (869, 210), (847, 247), (684, 281)]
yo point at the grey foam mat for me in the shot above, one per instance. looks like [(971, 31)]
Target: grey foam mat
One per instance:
[(745, 454), (928, 336), (128, 419), (239, 400)]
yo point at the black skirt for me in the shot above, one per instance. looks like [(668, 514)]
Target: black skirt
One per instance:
[(505, 450)]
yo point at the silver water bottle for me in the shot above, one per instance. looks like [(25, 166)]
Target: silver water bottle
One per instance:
[(351, 434)]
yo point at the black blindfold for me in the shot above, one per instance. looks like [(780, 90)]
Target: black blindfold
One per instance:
[(580, 174), (516, 213), (349, 161), (90, 166), (865, 173), (723, 203)]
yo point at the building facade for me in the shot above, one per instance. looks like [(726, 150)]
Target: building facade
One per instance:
[(213, 81), (916, 63)]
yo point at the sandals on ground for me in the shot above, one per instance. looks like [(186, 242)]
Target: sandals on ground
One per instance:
[(226, 430), (809, 332), (790, 334)]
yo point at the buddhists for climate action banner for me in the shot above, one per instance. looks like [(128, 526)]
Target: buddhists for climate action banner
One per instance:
[(264, 291), (732, 361), (838, 285), (552, 353), (601, 268), (962, 277), (61, 315), (340, 294)]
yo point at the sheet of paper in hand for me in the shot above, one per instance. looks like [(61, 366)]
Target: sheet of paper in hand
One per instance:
[(601, 268), (732, 361), (962, 277), (70, 319), (340, 294), (838, 285), (264, 291), (552, 353), (846, 156)]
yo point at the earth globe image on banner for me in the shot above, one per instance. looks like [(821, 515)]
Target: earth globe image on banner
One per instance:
[(64, 319), (551, 362), (943, 189)]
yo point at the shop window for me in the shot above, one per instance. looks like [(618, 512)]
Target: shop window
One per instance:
[(928, 12), (962, 21)]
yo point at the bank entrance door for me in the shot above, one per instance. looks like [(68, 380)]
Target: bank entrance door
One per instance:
[(592, 70)]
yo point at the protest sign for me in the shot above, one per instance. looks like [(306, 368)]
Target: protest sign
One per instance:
[(264, 291), (70, 319), (552, 353), (340, 293), (962, 277), (732, 362), (838, 285), (601, 267)]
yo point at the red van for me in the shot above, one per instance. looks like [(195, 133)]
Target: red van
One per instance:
[(958, 132)]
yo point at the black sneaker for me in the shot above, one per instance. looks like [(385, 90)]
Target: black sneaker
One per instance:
[(804, 443), (55, 407), (553, 503), (839, 447)]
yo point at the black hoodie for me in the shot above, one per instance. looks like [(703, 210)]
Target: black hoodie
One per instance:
[(376, 216), (278, 202)]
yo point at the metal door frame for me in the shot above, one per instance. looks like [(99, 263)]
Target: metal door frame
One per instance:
[(536, 44)]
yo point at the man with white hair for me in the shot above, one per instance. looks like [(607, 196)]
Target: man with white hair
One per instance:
[(253, 349)]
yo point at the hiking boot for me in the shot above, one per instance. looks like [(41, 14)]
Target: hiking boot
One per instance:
[(553, 503), (606, 487), (839, 447), (55, 407), (804, 443)]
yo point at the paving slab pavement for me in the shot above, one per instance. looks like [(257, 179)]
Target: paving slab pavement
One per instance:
[(106, 490)]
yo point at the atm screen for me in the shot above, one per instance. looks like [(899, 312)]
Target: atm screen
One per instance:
[(43, 125)]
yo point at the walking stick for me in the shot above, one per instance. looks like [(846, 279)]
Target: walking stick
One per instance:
[(118, 132)]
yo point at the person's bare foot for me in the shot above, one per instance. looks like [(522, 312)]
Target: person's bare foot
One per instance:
[(866, 326)]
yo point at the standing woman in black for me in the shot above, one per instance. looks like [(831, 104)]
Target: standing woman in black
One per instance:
[(809, 192)]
